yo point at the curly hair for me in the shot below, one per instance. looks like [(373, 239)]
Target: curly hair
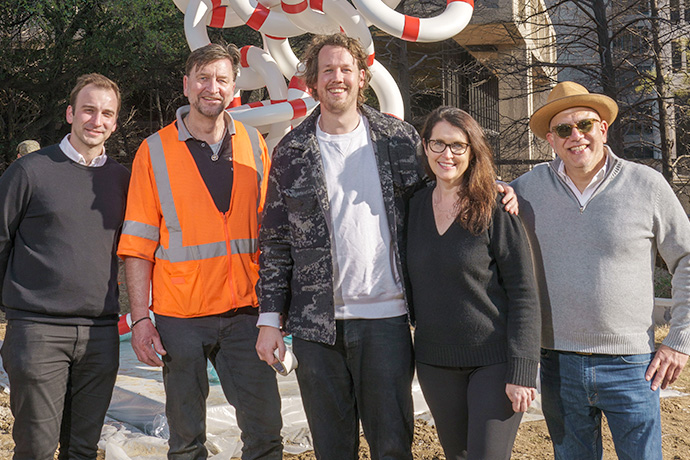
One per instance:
[(309, 65), (477, 193), (99, 81), (213, 52)]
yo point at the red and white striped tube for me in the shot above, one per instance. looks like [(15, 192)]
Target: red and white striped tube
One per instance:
[(222, 16), (265, 66), (269, 21), (202, 13), (268, 113), (307, 19), (387, 91), (349, 20), (196, 16), (248, 79), (236, 99), (297, 89), (452, 21), (282, 53), (383, 84)]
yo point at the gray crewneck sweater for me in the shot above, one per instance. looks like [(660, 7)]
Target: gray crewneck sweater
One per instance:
[(595, 263)]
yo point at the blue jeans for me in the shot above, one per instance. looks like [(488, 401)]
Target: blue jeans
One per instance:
[(367, 374), (577, 389), (248, 383)]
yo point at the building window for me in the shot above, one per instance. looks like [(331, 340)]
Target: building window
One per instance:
[(676, 56), (675, 11), (470, 86)]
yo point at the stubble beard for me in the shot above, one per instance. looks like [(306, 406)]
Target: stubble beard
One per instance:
[(207, 111), (339, 106)]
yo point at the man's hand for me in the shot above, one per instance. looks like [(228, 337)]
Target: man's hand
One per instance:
[(269, 339), (520, 396), (146, 343), (665, 367), (510, 199)]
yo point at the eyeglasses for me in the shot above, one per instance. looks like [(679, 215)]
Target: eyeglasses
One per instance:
[(564, 130), (456, 148)]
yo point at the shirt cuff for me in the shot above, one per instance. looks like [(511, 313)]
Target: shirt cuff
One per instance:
[(271, 318)]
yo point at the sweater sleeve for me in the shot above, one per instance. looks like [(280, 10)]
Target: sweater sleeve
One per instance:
[(511, 250), (672, 232), (15, 192)]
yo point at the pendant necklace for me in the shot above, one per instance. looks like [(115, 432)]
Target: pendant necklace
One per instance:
[(449, 213), (216, 155)]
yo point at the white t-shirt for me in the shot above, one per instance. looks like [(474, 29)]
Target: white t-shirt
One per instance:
[(366, 283)]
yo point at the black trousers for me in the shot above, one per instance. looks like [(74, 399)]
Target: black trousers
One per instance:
[(473, 415), (61, 380), (367, 376), (249, 384)]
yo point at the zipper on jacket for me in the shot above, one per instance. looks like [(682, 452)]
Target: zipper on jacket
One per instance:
[(228, 249), (594, 193)]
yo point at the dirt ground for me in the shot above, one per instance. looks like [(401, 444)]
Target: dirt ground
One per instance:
[(533, 442)]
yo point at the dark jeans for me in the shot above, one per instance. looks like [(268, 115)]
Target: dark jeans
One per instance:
[(61, 380), (248, 383), (576, 389), (473, 415), (367, 374)]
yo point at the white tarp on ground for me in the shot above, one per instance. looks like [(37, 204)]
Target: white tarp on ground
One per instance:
[(136, 420), (136, 428)]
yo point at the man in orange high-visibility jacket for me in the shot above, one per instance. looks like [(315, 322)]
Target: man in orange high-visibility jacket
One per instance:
[(190, 233)]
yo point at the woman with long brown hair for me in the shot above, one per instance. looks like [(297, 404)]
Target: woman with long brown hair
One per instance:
[(473, 294)]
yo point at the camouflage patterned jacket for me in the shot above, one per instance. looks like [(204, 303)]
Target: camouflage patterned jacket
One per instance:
[(296, 274)]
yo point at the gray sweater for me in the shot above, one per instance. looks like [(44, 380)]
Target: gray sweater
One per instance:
[(59, 225), (595, 263)]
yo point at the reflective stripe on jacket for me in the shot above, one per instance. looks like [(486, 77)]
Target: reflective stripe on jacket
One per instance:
[(205, 261)]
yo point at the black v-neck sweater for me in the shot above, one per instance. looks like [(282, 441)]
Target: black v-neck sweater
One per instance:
[(474, 297), (59, 227)]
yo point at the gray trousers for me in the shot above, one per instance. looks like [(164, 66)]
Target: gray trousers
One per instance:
[(61, 381), (249, 384)]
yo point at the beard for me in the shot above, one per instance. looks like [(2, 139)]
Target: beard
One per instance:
[(334, 106), (211, 112), (338, 105)]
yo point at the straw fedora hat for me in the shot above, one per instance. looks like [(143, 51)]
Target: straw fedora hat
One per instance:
[(566, 95)]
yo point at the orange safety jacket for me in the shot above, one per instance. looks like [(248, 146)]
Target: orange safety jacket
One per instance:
[(205, 261)]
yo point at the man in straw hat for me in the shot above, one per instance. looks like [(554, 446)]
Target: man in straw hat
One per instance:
[(595, 223)]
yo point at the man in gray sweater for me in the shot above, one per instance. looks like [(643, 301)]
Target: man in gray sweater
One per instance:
[(595, 223), (61, 211)]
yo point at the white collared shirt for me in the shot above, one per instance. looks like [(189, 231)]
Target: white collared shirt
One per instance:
[(71, 153), (584, 196)]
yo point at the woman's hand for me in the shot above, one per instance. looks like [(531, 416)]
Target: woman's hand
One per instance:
[(520, 396)]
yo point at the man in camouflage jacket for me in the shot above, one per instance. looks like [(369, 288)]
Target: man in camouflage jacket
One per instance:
[(296, 258), (331, 260)]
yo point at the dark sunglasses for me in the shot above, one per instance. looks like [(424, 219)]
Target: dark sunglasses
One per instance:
[(564, 130)]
